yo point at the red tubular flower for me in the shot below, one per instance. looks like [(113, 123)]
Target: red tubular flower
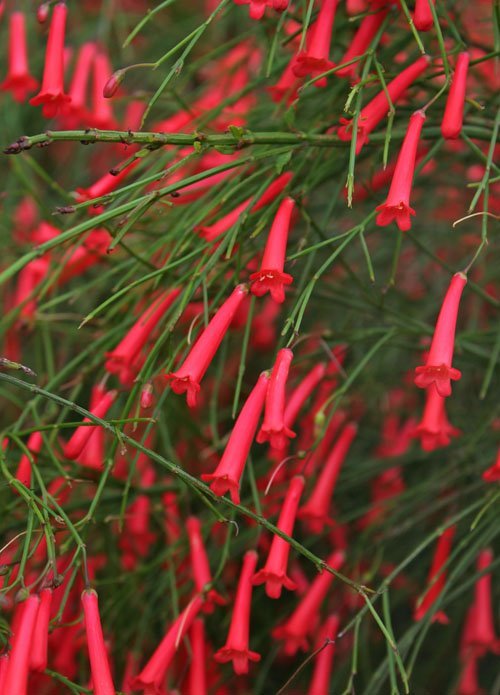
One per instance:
[(77, 260), (129, 348), (227, 475), (360, 42), (74, 447), (4, 665), (102, 681), (437, 369), (286, 88), (92, 454), (187, 378), (16, 676), (197, 673), (316, 510), (492, 473), (76, 110), (274, 571), (378, 107), (38, 654), (270, 277), (106, 184), (30, 277), (200, 565), (52, 94), (236, 648), (422, 15), (304, 619), (451, 125), (434, 430), (314, 60), (437, 578), (101, 115), (397, 206), (323, 663), (153, 674), (385, 487), (469, 682), (479, 634), (274, 429), (34, 444), (18, 80)]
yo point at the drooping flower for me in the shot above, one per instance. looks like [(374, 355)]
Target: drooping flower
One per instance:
[(479, 632), (303, 621), (18, 80), (102, 681), (200, 565), (286, 88), (237, 648), (52, 94), (34, 445), (437, 369), (371, 114), (16, 676), (270, 277), (360, 42), (101, 115), (397, 206), (451, 125), (76, 110), (422, 15), (74, 446), (437, 578), (227, 475), (434, 430), (153, 674), (323, 663), (128, 349), (469, 681), (106, 184), (38, 652), (273, 428), (197, 672), (492, 473), (314, 60), (187, 378), (274, 572), (316, 511), (258, 7)]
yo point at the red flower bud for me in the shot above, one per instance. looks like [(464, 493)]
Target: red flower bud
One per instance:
[(451, 125)]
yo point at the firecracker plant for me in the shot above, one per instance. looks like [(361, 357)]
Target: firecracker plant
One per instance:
[(250, 347)]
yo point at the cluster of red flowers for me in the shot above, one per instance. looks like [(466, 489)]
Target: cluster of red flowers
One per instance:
[(294, 401)]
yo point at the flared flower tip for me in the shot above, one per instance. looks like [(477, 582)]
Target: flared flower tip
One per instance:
[(306, 64), (52, 102), (344, 133), (184, 384), (492, 474), (438, 617), (274, 582), (239, 657), (272, 281), (441, 375), (314, 519), (278, 439), (19, 85), (220, 484), (398, 213), (292, 643)]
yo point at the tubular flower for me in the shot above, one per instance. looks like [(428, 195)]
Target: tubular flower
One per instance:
[(286, 88), (197, 673), (34, 445), (101, 115), (316, 510), (437, 578), (437, 369), (360, 42), (38, 655), (422, 15), (76, 110), (187, 378), (397, 206), (129, 348), (52, 94), (153, 674), (102, 681), (92, 454), (274, 429), (304, 619), (469, 682), (434, 430), (492, 473), (274, 571), (371, 114), (479, 634), (16, 676), (106, 184), (227, 475), (200, 565), (236, 648), (18, 80), (270, 277), (315, 59), (451, 125), (323, 663), (74, 447)]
